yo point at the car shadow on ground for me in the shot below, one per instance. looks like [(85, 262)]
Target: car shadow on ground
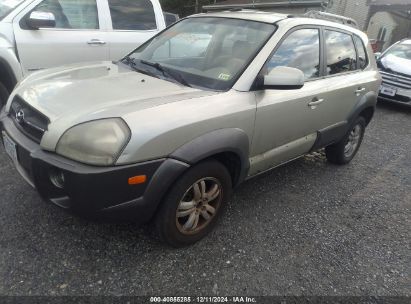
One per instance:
[(52, 223), (394, 107)]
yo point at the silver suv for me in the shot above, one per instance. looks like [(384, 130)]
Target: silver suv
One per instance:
[(166, 133)]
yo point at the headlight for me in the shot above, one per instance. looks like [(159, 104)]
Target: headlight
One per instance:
[(98, 142)]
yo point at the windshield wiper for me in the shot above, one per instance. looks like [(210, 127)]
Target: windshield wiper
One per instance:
[(175, 75), (130, 62)]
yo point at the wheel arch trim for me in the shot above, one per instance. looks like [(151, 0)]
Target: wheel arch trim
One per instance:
[(368, 101), (11, 70), (219, 141), (336, 132)]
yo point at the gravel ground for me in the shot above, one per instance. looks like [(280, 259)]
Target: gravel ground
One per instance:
[(306, 228)]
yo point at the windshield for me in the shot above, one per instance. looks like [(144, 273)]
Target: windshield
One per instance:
[(6, 6), (204, 52), (400, 50)]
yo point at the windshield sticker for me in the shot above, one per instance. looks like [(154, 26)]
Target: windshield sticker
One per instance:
[(224, 77)]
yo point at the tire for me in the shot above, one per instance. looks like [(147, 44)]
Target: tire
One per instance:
[(343, 152), (4, 95), (182, 217)]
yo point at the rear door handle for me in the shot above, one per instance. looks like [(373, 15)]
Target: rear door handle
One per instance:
[(315, 102), (96, 42)]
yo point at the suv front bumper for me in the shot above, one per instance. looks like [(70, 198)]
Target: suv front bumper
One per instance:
[(402, 96), (102, 192), (399, 86)]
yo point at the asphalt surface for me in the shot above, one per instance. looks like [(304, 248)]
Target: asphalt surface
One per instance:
[(306, 228)]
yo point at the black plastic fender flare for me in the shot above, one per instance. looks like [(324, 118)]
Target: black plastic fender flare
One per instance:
[(215, 142), (369, 100)]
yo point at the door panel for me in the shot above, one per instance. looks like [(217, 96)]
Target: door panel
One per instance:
[(76, 38), (285, 116), (341, 95), (286, 123)]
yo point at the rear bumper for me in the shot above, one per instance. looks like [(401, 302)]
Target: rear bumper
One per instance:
[(101, 192)]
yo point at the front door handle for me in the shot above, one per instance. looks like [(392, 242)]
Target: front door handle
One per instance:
[(315, 102), (96, 42), (359, 91)]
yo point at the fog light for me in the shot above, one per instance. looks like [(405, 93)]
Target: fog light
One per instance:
[(57, 178)]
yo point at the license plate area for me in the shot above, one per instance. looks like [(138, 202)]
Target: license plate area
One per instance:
[(389, 91), (10, 146)]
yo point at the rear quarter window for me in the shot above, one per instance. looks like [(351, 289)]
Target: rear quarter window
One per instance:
[(341, 54), (132, 15), (362, 53)]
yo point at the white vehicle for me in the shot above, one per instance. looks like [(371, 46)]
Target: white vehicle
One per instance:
[(38, 34), (395, 69)]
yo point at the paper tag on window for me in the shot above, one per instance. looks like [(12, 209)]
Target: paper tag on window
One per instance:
[(223, 76)]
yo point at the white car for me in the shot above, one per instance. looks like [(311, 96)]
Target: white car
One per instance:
[(38, 34), (395, 69)]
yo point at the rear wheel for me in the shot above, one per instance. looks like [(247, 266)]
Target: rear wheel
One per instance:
[(4, 95), (344, 151), (191, 208)]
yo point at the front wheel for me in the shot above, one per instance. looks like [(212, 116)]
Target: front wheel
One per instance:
[(343, 152), (191, 208)]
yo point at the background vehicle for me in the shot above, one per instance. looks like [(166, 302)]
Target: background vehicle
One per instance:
[(170, 18), (166, 135), (395, 69), (45, 33)]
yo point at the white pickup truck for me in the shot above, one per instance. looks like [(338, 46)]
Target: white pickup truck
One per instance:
[(38, 34)]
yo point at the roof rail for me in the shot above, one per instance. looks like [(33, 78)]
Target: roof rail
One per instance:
[(331, 17), (267, 4)]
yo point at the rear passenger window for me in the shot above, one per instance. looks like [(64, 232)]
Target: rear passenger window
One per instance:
[(132, 15), (362, 53), (341, 55), (301, 50)]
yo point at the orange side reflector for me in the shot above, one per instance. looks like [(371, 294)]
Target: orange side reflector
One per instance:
[(135, 180)]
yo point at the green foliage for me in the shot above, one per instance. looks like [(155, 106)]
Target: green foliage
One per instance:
[(171, 5)]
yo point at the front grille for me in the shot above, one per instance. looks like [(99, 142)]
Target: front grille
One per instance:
[(396, 80), (30, 121)]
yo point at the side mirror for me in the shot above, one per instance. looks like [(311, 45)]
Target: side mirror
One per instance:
[(41, 19), (284, 78), (377, 55)]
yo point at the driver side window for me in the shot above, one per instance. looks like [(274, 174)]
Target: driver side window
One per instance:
[(71, 14), (300, 50)]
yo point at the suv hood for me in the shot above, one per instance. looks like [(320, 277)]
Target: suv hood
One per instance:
[(78, 93), (397, 64)]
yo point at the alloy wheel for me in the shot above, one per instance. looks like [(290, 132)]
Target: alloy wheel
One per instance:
[(199, 205), (353, 141)]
